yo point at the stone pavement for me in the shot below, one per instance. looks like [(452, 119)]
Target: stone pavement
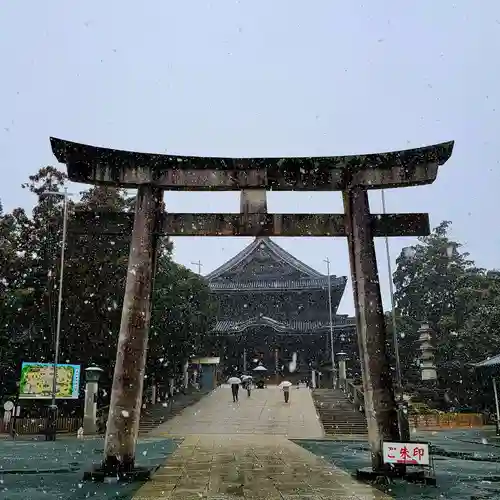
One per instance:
[(467, 464), (241, 451), (32, 469), (250, 467), (264, 412)]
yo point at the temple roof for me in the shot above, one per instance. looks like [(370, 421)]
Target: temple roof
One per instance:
[(493, 361), (264, 265), (288, 327)]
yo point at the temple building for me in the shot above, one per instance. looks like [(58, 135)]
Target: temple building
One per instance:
[(273, 309)]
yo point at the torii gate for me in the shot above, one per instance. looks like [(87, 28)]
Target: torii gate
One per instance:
[(151, 174)]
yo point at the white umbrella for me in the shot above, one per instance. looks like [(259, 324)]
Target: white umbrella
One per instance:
[(285, 383), (234, 380), (246, 377), (260, 368)]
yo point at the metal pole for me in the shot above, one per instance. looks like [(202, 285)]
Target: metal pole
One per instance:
[(244, 360), (199, 265), (404, 428), (52, 420), (276, 365), (497, 407), (332, 356)]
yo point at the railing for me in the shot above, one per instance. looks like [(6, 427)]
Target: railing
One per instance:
[(38, 425), (438, 420), (354, 393)]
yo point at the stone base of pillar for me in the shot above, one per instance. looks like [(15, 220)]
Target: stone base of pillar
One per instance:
[(89, 426), (101, 473)]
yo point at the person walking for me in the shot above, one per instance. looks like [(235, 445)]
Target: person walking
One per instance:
[(286, 392), (234, 389)]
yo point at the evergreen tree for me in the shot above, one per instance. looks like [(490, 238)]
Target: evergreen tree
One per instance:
[(95, 271), (437, 283)]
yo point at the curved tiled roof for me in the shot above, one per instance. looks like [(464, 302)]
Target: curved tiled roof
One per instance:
[(314, 283), (231, 326), (279, 253)]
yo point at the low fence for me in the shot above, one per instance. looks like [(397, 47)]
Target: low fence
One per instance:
[(37, 425), (424, 420), (447, 421)]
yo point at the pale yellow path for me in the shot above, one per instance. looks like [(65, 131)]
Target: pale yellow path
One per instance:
[(264, 412), (241, 451)]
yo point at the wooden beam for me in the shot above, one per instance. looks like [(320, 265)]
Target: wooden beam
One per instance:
[(320, 225)]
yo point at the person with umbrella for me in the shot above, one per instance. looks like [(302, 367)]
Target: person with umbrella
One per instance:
[(285, 387), (235, 387), (260, 369), (247, 383)]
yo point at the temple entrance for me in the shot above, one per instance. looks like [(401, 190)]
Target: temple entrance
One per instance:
[(253, 177), (276, 309)]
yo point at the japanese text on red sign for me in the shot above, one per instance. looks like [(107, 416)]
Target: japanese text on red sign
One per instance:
[(406, 453)]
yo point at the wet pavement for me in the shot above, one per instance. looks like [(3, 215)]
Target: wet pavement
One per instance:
[(264, 412), (34, 470), (259, 448), (250, 467), (241, 450), (466, 463)]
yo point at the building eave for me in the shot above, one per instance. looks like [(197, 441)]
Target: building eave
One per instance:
[(337, 285), (229, 327)]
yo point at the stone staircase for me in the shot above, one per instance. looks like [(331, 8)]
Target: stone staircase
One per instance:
[(338, 415), (154, 415)]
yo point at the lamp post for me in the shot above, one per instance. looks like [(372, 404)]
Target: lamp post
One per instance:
[(332, 356), (92, 376), (52, 415), (404, 427)]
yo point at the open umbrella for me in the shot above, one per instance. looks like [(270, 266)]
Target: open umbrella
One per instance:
[(285, 383), (234, 380), (260, 368), (246, 377)]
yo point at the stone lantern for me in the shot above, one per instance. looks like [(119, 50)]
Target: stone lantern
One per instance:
[(92, 375), (342, 358), (427, 364)]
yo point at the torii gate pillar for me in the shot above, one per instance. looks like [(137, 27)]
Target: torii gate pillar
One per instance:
[(128, 378), (380, 405)]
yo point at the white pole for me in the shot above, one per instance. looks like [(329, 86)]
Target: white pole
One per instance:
[(402, 416), (60, 298), (395, 340), (334, 377), (497, 407)]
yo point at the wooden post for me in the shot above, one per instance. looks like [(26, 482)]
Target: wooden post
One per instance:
[(128, 378), (380, 406)]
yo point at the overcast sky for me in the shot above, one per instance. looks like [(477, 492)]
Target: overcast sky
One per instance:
[(263, 78)]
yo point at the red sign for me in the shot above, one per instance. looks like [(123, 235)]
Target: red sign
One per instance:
[(406, 453)]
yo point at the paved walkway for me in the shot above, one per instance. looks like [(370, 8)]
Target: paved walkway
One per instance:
[(241, 451), (264, 412)]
